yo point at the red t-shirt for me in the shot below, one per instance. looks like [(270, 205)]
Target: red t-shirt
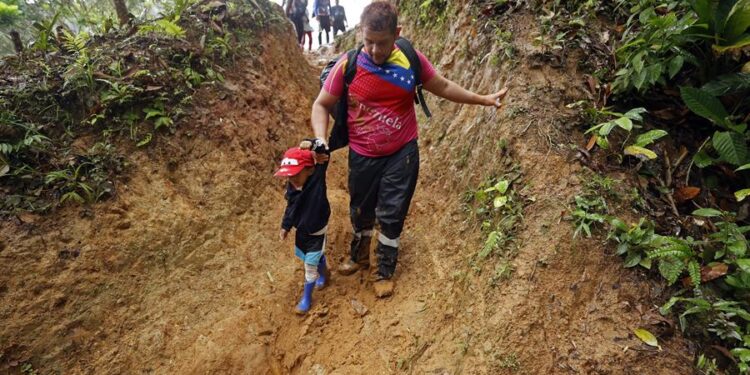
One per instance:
[(381, 116)]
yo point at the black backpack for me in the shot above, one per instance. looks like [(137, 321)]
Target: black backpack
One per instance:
[(340, 132)]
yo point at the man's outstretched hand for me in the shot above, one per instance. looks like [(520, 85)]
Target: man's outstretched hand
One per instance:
[(495, 99)]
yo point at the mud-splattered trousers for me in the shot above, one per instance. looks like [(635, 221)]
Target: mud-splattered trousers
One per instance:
[(382, 188)]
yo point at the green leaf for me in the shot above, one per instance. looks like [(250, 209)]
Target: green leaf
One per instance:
[(739, 282), (171, 28), (728, 84), (146, 140), (740, 194), (624, 123), (694, 269), (635, 113), (707, 212), (4, 167), (500, 201), (704, 104), (703, 160), (622, 249), (653, 73), (152, 112), (664, 309), (640, 79), (744, 264), (632, 260), (162, 121), (743, 354), (618, 224), (743, 167), (72, 195), (704, 10), (602, 142), (502, 186), (647, 337), (640, 152), (738, 21), (606, 128), (671, 269), (649, 137), (489, 245), (638, 61), (737, 44), (731, 146), (675, 65), (645, 263), (738, 248)]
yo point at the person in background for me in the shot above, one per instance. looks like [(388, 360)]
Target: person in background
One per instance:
[(322, 10), (308, 33), (296, 11), (339, 18)]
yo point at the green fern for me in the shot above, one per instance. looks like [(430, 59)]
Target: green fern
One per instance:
[(76, 42), (671, 268), (667, 253), (694, 270), (493, 239), (165, 27)]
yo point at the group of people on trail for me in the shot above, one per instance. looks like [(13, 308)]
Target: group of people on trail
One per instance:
[(374, 88), (322, 10)]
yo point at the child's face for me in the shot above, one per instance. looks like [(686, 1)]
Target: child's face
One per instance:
[(300, 178)]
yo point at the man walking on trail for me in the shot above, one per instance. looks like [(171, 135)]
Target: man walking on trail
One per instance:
[(382, 129), (339, 19), (296, 10), (322, 10)]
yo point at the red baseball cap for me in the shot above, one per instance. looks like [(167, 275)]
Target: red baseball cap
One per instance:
[(295, 160)]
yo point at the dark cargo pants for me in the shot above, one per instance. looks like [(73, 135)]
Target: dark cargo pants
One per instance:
[(382, 188)]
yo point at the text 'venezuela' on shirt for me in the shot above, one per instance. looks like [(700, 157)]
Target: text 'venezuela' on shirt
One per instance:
[(381, 116)]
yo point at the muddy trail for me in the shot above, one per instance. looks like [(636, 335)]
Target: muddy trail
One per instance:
[(182, 273)]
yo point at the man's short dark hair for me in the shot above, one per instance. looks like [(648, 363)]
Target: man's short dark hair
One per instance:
[(380, 16)]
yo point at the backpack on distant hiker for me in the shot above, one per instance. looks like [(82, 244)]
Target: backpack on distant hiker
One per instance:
[(340, 132)]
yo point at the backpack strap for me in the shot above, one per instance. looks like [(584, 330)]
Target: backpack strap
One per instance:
[(340, 132), (416, 65), (351, 65)]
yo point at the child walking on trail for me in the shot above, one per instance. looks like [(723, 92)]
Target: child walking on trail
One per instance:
[(308, 33), (308, 211)]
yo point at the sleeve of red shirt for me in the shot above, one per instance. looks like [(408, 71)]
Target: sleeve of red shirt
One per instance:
[(428, 71), (334, 84)]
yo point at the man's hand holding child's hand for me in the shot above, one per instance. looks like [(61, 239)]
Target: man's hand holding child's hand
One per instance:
[(283, 234), (320, 158)]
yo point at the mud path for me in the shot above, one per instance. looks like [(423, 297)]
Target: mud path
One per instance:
[(183, 273), (568, 307)]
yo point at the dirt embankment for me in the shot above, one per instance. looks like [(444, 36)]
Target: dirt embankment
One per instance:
[(148, 281), (182, 272)]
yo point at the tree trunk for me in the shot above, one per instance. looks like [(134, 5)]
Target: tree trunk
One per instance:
[(122, 12), (17, 43)]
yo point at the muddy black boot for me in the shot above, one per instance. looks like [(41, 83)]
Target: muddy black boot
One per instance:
[(387, 257), (359, 255)]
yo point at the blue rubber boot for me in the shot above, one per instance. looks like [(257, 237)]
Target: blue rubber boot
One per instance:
[(306, 301), (324, 274)]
